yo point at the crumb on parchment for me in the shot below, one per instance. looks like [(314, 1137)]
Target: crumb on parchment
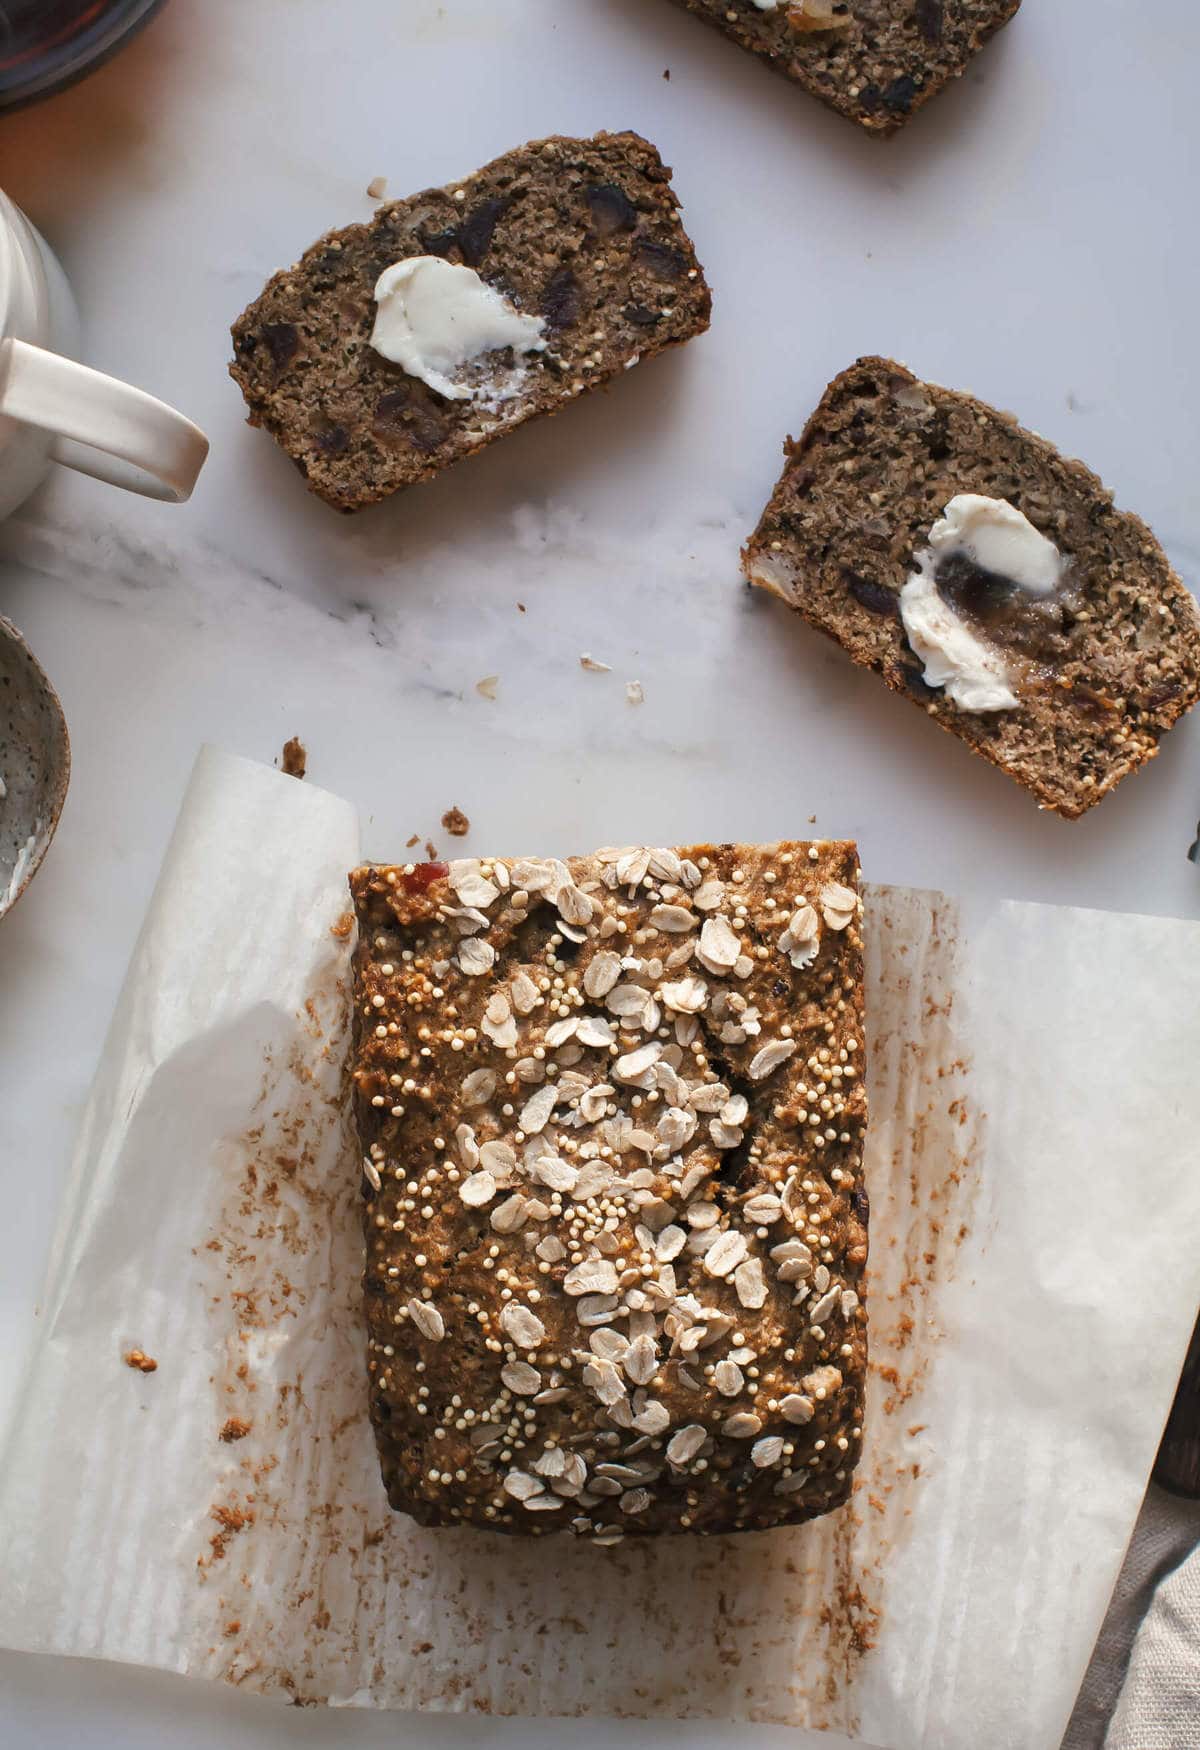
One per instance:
[(236, 1428), (140, 1361), (455, 822), (231, 1519)]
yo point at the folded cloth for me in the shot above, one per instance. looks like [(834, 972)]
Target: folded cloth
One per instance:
[(1142, 1687)]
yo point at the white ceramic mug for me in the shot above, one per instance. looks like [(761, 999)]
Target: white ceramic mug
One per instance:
[(55, 410)]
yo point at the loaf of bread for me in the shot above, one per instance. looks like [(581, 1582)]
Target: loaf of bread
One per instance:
[(889, 530), (612, 1113), (577, 251), (875, 61)]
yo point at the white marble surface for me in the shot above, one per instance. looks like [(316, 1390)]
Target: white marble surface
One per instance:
[(1029, 239)]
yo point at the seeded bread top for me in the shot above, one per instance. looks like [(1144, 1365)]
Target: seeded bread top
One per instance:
[(878, 462), (584, 233), (612, 1113), (875, 61)]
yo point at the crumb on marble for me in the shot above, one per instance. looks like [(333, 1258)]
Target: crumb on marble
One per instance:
[(294, 759), (455, 822)]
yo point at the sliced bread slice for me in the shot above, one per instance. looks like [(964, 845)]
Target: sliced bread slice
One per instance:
[(875, 61), (985, 576), (565, 260)]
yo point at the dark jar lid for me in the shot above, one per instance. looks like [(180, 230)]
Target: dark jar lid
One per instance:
[(46, 44)]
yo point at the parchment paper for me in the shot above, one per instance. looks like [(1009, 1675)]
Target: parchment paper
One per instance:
[(1034, 1281)]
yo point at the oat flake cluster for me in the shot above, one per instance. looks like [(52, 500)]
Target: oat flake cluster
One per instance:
[(612, 1114)]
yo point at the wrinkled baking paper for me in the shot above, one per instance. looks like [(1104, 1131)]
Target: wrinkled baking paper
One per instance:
[(1034, 1281)]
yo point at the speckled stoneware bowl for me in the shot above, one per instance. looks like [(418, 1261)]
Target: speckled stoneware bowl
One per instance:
[(35, 764)]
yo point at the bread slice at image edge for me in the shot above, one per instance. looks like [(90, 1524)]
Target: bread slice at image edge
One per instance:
[(874, 61), (585, 234), (873, 471)]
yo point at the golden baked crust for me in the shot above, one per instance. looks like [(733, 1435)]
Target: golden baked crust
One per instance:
[(612, 1115)]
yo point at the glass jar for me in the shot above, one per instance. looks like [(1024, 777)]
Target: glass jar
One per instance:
[(46, 44)]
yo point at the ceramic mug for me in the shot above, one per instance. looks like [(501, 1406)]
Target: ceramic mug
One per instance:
[(53, 409)]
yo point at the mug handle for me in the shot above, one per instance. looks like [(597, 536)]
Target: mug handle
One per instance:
[(101, 426)]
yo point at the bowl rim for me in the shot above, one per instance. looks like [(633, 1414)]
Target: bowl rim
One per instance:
[(9, 897)]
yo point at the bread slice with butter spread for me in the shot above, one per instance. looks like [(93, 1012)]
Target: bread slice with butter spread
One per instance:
[(986, 577), (397, 347)]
